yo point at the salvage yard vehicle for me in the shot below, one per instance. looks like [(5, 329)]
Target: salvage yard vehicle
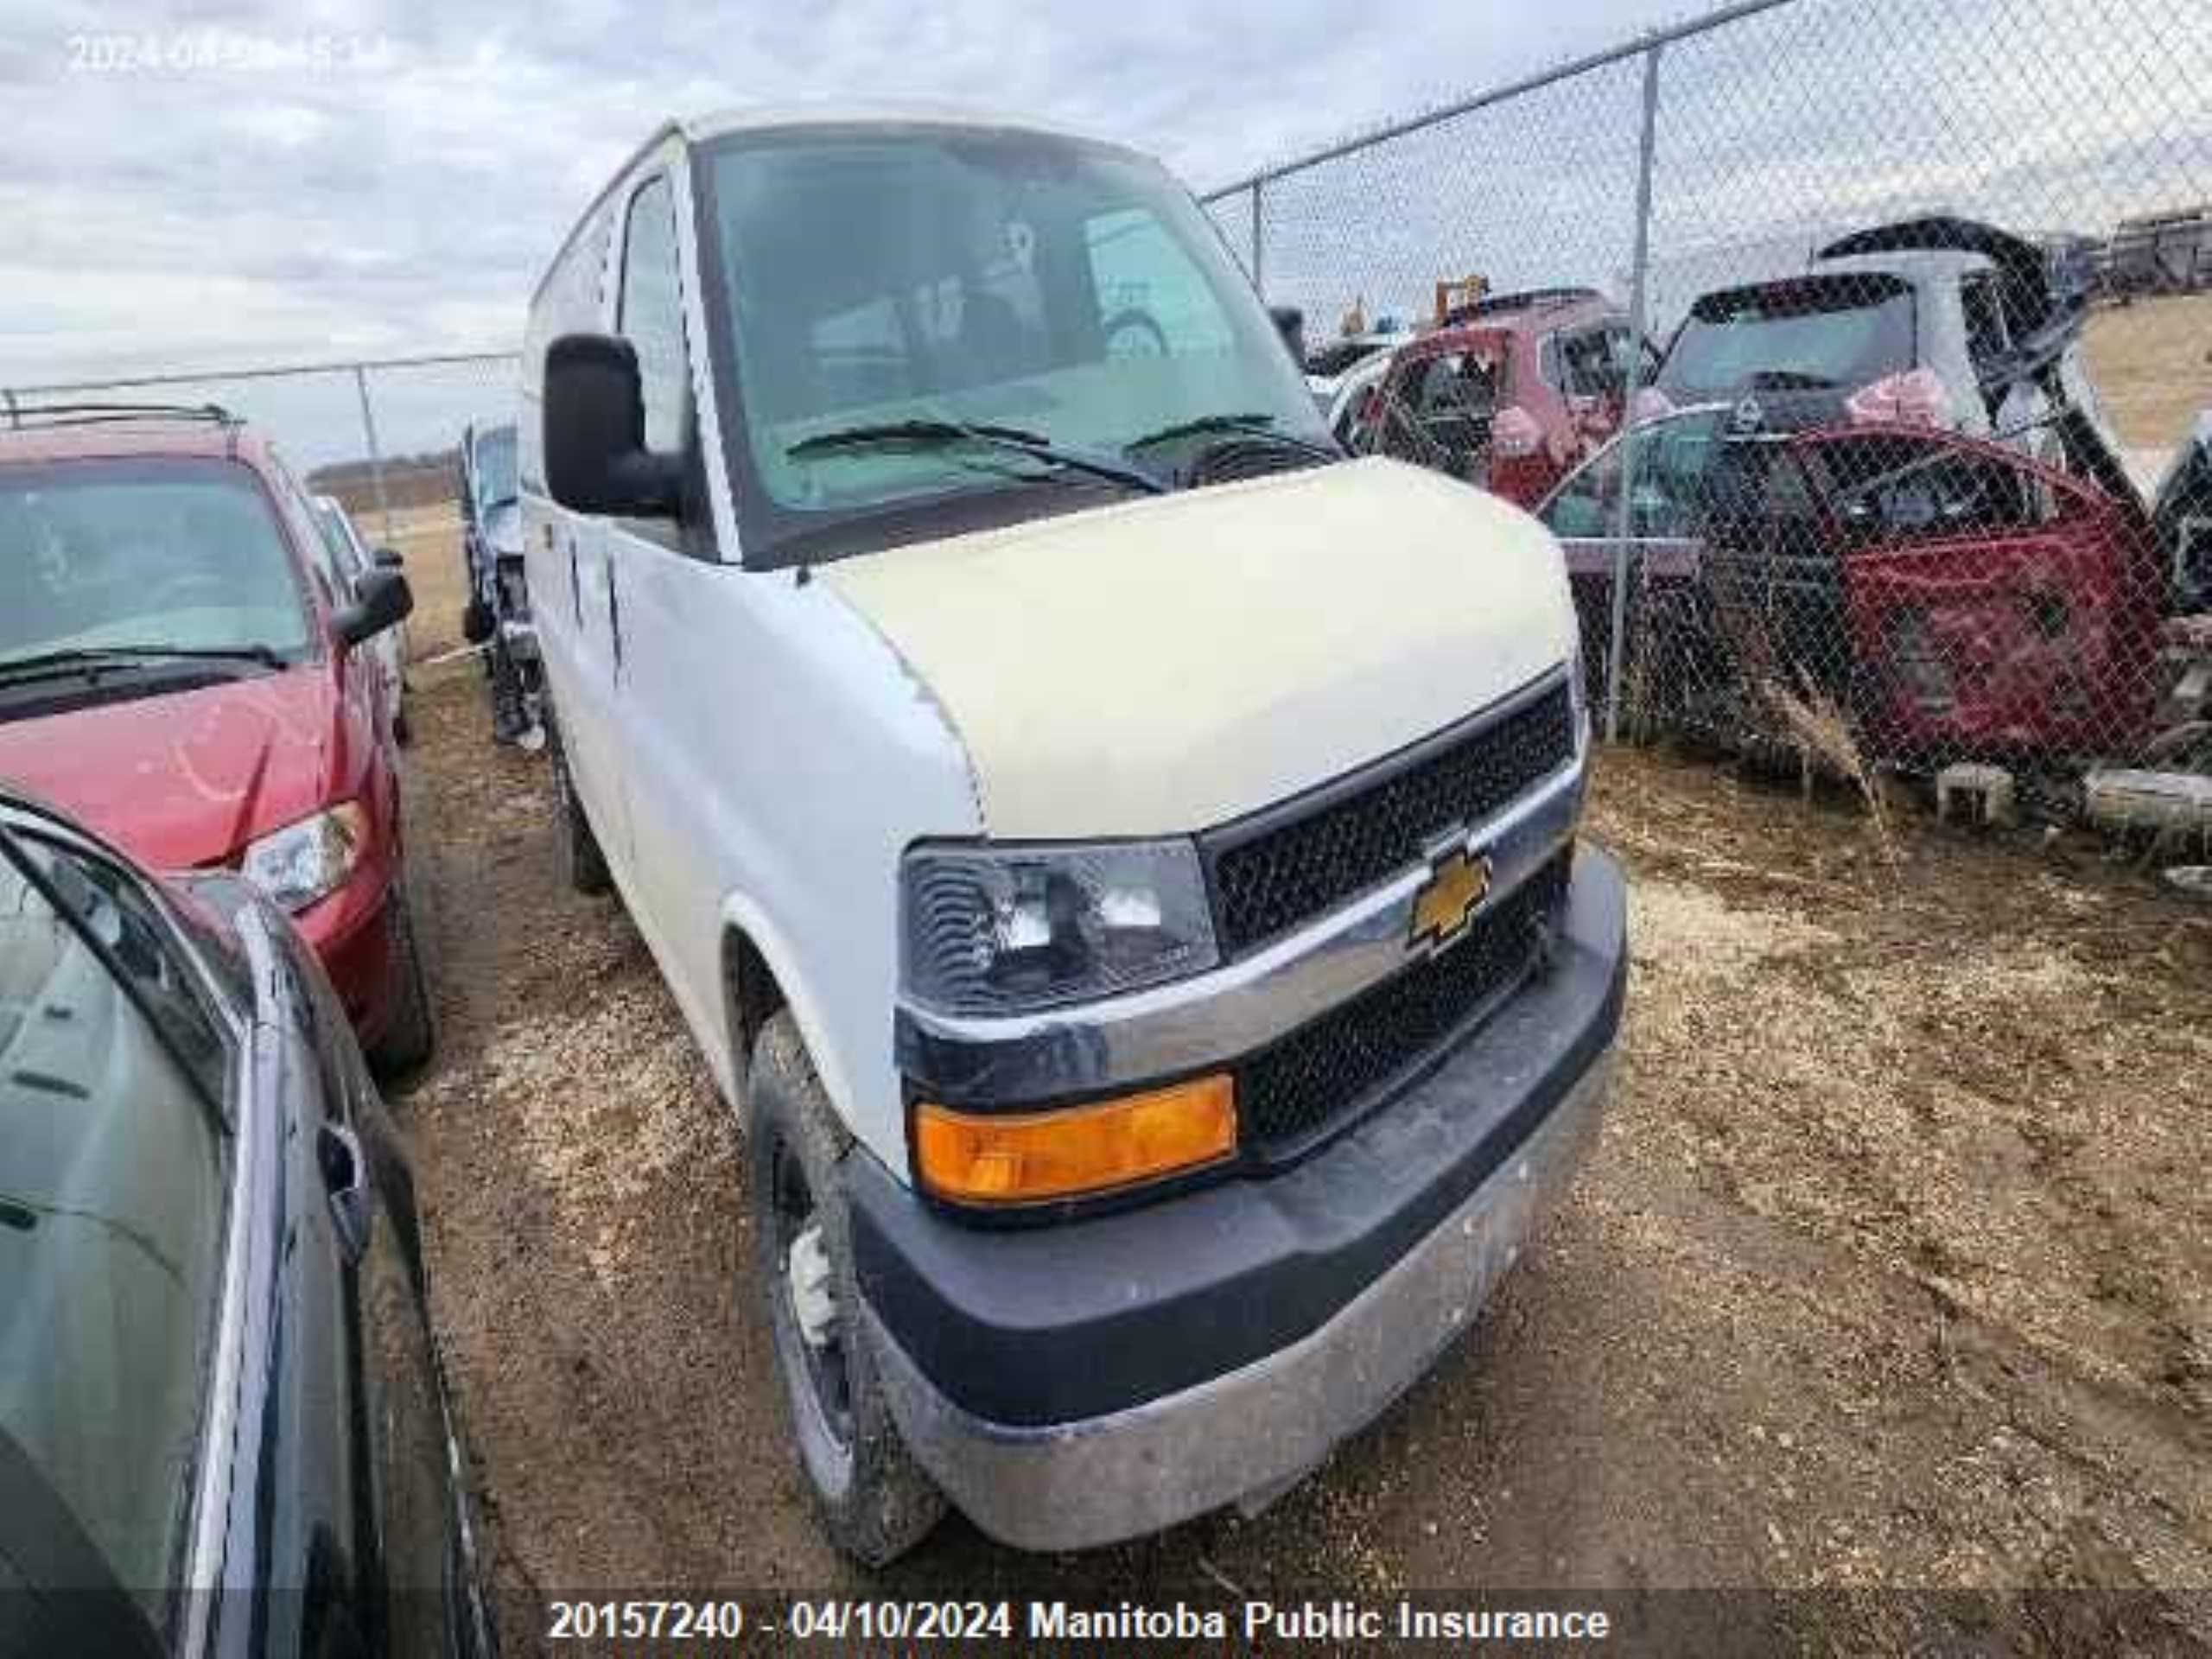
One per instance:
[(2182, 511), (1329, 365), (1511, 394), (1958, 599), (185, 663), (225, 1427), (1940, 322), (352, 560), (1117, 855), (497, 617)]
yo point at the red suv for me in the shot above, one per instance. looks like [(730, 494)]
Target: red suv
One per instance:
[(1511, 394), (180, 666)]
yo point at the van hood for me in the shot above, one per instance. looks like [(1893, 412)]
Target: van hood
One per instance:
[(187, 777), (1171, 664)]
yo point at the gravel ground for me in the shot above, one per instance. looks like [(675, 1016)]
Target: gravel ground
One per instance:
[(1893, 1267)]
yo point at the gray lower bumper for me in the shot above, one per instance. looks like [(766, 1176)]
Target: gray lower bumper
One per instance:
[(1255, 1430)]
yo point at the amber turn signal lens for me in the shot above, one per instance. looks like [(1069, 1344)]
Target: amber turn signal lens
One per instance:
[(986, 1158)]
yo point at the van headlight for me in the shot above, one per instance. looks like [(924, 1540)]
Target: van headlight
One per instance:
[(991, 930), (308, 860)]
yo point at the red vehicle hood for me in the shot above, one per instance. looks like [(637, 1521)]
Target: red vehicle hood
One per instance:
[(189, 778)]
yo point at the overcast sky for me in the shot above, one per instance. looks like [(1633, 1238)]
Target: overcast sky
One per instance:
[(172, 198)]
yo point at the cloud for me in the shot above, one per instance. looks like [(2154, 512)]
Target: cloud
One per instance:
[(218, 183)]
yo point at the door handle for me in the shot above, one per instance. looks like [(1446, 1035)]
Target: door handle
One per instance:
[(345, 1179)]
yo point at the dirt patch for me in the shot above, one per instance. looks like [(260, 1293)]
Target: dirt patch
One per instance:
[(2151, 363), (1893, 1265), (429, 539)]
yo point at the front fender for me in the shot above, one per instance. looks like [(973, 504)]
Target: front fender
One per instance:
[(742, 915)]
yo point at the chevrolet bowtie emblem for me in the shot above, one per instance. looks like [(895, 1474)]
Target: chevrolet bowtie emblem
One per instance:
[(1459, 881)]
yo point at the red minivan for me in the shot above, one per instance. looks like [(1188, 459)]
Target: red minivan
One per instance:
[(181, 667)]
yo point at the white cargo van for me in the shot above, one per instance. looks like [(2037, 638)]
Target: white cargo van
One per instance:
[(1117, 855)]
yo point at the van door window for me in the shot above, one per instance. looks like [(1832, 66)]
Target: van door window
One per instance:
[(651, 315)]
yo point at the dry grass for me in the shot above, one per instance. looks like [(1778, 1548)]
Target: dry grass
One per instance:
[(1822, 734), (429, 537), (1892, 1267)]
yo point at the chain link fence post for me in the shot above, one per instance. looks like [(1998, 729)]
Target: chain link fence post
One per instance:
[(376, 456), (1639, 323)]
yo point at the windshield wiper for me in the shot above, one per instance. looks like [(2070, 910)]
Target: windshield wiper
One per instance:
[(1261, 427), (1035, 445), (55, 664)]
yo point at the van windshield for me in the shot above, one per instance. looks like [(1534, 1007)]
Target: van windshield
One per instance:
[(860, 278)]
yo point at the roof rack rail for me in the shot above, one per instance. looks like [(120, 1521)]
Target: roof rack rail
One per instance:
[(1527, 299), (22, 415)]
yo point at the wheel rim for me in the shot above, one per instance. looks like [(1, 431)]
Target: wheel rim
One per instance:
[(809, 1327)]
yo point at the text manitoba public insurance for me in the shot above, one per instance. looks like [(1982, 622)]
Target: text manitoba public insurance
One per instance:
[(1310, 1621)]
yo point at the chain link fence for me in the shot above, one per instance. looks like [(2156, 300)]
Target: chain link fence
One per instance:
[(1855, 351)]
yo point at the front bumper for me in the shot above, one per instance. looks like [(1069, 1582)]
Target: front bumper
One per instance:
[(1075, 1385)]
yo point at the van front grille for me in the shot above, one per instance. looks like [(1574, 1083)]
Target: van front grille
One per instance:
[(1287, 865), (1334, 1070)]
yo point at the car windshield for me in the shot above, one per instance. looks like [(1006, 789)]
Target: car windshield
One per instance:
[(111, 1202), (495, 467), (1814, 334), (176, 555), (1066, 291)]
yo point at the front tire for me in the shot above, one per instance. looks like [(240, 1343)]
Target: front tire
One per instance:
[(875, 1501)]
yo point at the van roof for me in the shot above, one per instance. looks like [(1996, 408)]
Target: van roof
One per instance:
[(768, 118), (772, 118)]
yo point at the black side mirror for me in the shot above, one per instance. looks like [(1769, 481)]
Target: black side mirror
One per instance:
[(1290, 323), (381, 600), (388, 558), (595, 456)]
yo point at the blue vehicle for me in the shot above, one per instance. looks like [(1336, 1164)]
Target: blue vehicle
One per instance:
[(497, 616)]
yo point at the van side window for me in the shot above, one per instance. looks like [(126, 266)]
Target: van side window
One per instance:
[(651, 315), (1152, 301)]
